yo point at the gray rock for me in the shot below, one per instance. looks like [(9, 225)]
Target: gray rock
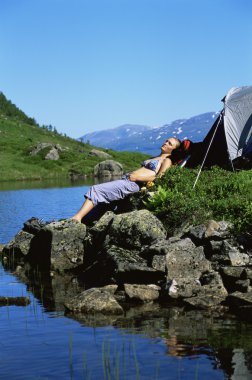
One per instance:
[(203, 302), (234, 273), (65, 242), (231, 275), (127, 266), (159, 247), (102, 225), (40, 147), (248, 272), (108, 168), (95, 300), (211, 294), (33, 225), (197, 233), (184, 260), (185, 264), (211, 230), (240, 299), (136, 229), (242, 286), (142, 293), (212, 284), (112, 288), (17, 301), (52, 155), (57, 244), (60, 148), (183, 287), (217, 230), (237, 258), (212, 279), (225, 253), (216, 246), (19, 246), (159, 263), (99, 153)]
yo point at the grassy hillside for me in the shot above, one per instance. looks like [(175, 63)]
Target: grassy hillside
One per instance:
[(19, 134)]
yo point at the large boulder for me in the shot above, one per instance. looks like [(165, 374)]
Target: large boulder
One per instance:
[(56, 245), (114, 247), (108, 168), (120, 265), (132, 230), (40, 147), (64, 242), (185, 264), (135, 229), (51, 150), (185, 260)]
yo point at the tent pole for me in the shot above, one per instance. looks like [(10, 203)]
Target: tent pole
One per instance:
[(209, 146)]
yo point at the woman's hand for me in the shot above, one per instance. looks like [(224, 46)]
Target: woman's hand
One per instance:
[(132, 177)]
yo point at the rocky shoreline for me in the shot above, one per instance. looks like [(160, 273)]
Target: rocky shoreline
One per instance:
[(126, 260)]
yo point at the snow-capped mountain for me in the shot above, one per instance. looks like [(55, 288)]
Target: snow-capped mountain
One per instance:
[(147, 139)]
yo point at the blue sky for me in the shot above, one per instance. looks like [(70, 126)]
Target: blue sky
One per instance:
[(86, 65)]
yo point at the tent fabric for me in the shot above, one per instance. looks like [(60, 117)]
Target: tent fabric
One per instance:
[(238, 121), (231, 134)]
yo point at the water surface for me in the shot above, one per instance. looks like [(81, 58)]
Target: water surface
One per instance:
[(40, 341)]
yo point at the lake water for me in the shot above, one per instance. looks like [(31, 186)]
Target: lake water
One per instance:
[(40, 342)]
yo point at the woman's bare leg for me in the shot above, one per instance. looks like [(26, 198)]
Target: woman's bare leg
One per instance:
[(84, 210)]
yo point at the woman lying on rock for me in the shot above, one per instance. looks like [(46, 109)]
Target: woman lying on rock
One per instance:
[(130, 182)]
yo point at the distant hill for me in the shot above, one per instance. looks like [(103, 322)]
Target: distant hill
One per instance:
[(146, 139), (10, 110), (20, 134)]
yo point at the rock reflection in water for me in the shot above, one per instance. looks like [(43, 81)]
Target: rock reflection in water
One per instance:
[(224, 340)]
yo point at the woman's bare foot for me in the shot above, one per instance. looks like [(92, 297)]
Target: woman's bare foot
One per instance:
[(84, 210), (78, 219)]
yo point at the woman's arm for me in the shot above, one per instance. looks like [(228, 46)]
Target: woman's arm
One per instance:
[(166, 164), (142, 175)]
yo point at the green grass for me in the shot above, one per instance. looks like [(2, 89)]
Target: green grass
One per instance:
[(17, 139), (219, 195)]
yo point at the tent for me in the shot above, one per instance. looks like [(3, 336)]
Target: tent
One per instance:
[(229, 142)]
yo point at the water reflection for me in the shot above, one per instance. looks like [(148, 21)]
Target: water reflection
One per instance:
[(218, 337), (53, 183), (148, 342), (44, 184)]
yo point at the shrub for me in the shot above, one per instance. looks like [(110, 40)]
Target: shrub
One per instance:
[(218, 195)]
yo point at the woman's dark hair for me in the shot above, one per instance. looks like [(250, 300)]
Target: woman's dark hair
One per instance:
[(180, 153)]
